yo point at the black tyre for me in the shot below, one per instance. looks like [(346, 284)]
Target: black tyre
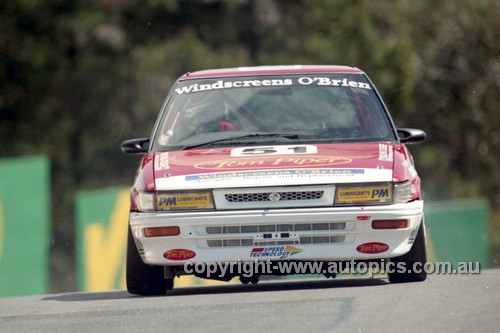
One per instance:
[(418, 254), (144, 279)]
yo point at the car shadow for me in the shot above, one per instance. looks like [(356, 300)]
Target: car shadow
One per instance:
[(265, 286)]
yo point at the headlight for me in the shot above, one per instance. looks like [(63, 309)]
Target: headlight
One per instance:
[(402, 192), (184, 200), (145, 201), (364, 194)]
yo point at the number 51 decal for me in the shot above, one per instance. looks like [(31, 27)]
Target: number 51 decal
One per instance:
[(274, 150)]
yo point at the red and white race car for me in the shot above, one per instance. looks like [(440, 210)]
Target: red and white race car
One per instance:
[(281, 163)]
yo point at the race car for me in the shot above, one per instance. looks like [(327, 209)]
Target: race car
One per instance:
[(277, 164)]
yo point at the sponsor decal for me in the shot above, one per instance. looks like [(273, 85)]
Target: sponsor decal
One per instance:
[(274, 173), (223, 84), (271, 162), (410, 167), (183, 200), (372, 248), (385, 152), (179, 254), (325, 81), (357, 194), (275, 82), (274, 150), (161, 161), (274, 251), (412, 171)]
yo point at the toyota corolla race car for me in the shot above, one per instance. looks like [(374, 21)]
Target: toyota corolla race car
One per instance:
[(276, 164)]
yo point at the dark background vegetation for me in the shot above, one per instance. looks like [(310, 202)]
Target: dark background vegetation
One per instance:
[(78, 77)]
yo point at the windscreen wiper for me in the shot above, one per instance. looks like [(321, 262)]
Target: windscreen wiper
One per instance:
[(246, 136)]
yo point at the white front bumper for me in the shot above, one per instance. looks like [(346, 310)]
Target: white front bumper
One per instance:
[(350, 227)]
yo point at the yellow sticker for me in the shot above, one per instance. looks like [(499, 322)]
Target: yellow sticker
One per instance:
[(183, 200), (360, 194)]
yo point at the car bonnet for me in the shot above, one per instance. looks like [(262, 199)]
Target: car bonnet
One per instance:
[(273, 166)]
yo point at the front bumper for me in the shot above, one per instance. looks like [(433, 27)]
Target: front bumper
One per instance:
[(322, 234)]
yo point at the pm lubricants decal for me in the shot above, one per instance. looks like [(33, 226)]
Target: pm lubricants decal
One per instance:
[(302, 81), (364, 193), (272, 162), (275, 251)]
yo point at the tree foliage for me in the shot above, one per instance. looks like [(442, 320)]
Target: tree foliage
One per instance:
[(79, 77)]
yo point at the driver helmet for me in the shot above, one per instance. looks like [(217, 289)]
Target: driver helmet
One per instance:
[(203, 115)]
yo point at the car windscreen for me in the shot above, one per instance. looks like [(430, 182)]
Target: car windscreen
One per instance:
[(272, 110)]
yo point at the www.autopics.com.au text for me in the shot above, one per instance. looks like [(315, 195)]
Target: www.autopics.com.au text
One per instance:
[(258, 267)]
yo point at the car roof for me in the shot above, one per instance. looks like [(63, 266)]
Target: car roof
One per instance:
[(271, 70)]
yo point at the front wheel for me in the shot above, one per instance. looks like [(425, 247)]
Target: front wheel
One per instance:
[(417, 254), (144, 279)]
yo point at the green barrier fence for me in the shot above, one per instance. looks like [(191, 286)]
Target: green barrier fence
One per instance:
[(24, 226), (459, 231), (102, 220)]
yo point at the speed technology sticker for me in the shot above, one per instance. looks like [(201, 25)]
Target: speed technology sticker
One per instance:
[(302, 81), (275, 251)]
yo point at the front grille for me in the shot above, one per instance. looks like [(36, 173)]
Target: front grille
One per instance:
[(249, 242), (274, 197), (229, 242), (322, 239), (280, 196), (252, 235), (236, 229)]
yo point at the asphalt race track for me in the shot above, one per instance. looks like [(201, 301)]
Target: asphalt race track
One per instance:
[(443, 303)]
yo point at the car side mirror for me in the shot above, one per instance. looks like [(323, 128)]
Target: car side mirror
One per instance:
[(411, 135), (135, 146)]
